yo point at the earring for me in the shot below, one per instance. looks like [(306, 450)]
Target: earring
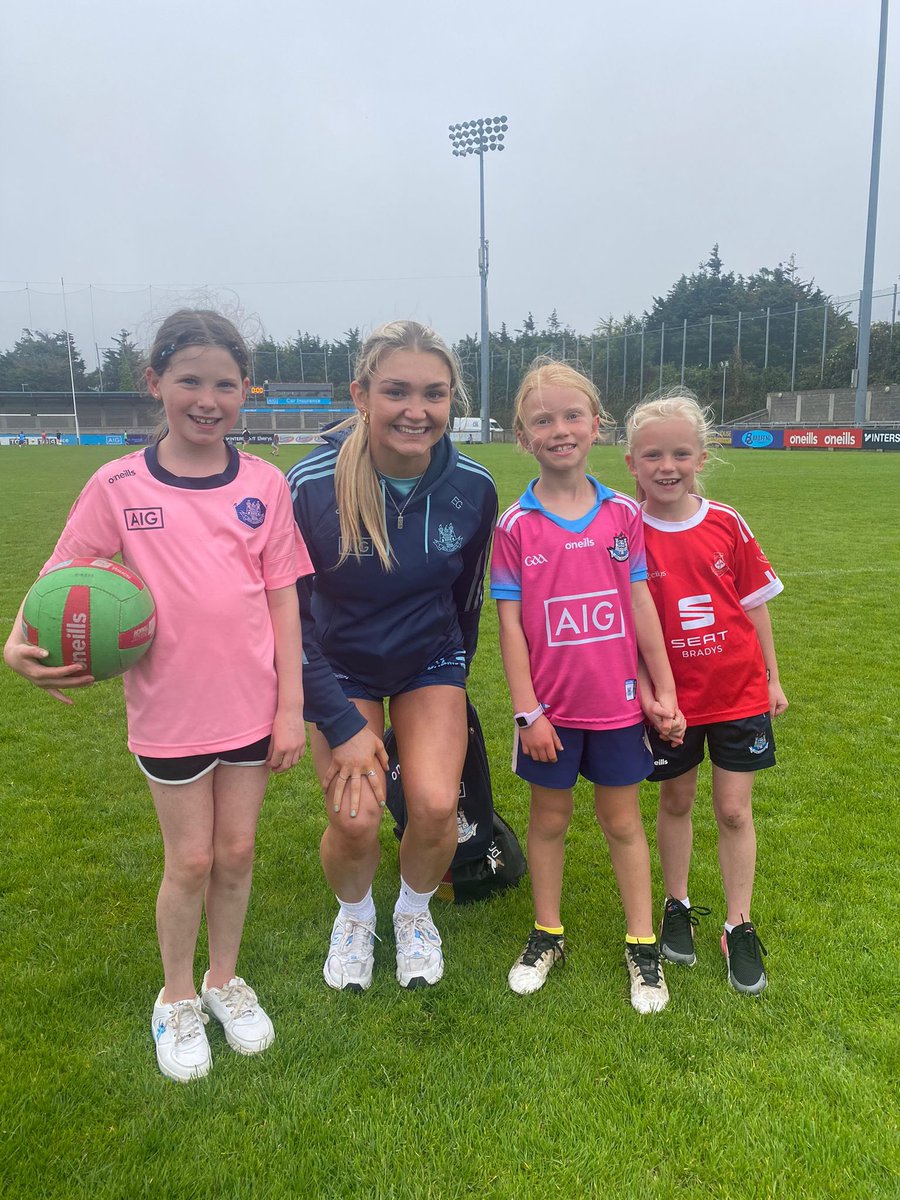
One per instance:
[(364, 413)]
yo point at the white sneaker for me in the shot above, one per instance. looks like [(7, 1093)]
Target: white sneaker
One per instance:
[(531, 968), (420, 960), (247, 1026), (649, 993), (351, 955), (182, 1050)]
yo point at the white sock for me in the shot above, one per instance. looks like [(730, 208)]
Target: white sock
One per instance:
[(728, 928), (410, 902), (362, 910), (686, 901)]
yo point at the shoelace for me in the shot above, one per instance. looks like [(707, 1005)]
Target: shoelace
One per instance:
[(646, 959), (350, 930), (539, 942), (675, 908), (408, 925), (187, 1020), (238, 997), (747, 941)]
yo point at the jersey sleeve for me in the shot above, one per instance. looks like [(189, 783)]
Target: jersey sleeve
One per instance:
[(755, 580), (285, 557), (91, 529), (638, 555), (506, 563), (468, 591)]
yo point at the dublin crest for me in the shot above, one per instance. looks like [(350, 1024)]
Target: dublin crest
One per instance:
[(447, 539), (618, 551), (251, 512)]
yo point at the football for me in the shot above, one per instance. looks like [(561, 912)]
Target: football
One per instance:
[(90, 611)]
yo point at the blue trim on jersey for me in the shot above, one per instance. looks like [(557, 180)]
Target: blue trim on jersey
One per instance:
[(529, 500)]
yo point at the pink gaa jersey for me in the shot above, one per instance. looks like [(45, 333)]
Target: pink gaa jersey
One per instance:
[(209, 549), (573, 579), (704, 573)]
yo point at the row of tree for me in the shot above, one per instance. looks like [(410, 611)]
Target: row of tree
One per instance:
[(724, 334)]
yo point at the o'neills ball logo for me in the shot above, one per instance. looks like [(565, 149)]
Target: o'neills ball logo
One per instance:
[(75, 644)]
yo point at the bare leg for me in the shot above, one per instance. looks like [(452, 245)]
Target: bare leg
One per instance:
[(350, 850), (620, 819), (237, 798), (732, 803), (185, 815), (675, 831), (430, 724), (548, 822)]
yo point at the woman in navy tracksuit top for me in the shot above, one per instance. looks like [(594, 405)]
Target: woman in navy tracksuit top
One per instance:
[(398, 526)]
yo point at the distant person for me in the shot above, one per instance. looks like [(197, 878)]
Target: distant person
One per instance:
[(570, 581), (21, 440), (398, 525), (43, 437), (275, 444), (707, 573), (206, 726), (59, 437), (245, 438)]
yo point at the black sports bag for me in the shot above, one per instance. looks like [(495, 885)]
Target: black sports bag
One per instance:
[(488, 856)]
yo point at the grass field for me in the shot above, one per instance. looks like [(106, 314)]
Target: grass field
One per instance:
[(467, 1090)]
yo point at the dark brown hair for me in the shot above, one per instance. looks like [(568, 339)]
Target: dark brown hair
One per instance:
[(197, 327)]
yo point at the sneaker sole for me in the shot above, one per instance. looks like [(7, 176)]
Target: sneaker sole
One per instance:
[(194, 1074), (352, 986), (420, 981), (673, 956), (752, 989)]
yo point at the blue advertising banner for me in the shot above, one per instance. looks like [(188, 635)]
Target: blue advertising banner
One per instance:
[(757, 439)]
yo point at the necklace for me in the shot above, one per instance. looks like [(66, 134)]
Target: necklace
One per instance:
[(400, 511)]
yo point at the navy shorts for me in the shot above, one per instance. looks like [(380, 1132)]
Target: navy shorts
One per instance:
[(194, 766), (609, 757), (449, 671), (744, 745)]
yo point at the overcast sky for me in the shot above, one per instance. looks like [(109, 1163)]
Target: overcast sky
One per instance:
[(294, 157)]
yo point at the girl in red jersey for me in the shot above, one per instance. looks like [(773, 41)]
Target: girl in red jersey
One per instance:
[(710, 581)]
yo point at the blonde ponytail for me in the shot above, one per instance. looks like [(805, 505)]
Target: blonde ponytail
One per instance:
[(359, 499)]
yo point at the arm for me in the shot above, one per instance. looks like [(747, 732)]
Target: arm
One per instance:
[(670, 729), (468, 591), (762, 623), (652, 649), (25, 660), (540, 741), (288, 732)]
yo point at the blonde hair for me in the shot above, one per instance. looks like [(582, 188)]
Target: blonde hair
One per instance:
[(674, 403), (359, 499), (548, 372)]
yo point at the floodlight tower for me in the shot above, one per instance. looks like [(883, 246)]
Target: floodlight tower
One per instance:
[(477, 137)]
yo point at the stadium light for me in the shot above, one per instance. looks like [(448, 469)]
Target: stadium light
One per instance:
[(477, 137)]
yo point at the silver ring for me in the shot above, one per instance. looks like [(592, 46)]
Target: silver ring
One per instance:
[(368, 772)]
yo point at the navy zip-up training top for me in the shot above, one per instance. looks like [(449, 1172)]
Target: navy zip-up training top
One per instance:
[(383, 628)]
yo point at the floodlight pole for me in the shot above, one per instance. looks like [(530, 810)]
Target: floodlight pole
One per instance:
[(865, 303), (477, 137)]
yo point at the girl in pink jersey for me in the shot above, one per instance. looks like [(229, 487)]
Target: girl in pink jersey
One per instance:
[(569, 577), (710, 582), (216, 704)]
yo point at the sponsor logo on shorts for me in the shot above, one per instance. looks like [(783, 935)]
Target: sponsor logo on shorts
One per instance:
[(588, 617), (760, 745), (660, 762), (143, 518), (535, 560), (251, 511), (618, 551)]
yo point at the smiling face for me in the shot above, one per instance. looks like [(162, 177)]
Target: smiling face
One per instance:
[(202, 391), (665, 459), (560, 427), (407, 404)]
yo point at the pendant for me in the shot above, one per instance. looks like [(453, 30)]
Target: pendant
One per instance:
[(400, 520)]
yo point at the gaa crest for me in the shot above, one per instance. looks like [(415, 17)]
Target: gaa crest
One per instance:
[(251, 512)]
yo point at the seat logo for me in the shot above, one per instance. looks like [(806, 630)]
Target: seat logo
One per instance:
[(696, 612)]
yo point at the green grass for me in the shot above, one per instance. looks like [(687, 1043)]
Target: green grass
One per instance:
[(468, 1090)]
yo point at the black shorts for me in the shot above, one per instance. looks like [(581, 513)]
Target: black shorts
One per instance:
[(744, 745), (194, 766)]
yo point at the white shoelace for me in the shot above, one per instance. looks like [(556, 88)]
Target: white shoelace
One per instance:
[(187, 1020), (406, 927), (238, 997), (351, 927)]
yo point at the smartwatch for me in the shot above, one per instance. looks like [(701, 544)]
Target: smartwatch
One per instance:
[(526, 719)]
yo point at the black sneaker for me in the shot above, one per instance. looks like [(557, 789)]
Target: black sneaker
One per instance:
[(676, 934), (743, 952)]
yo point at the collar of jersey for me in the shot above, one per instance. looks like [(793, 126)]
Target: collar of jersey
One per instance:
[(204, 483), (530, 501), (679, 526)]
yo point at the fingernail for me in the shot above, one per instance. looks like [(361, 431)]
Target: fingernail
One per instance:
[(352, 813), (337, 808)]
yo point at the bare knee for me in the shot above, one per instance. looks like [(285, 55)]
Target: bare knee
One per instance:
[(734, 816), (189, 869), (432, 816), (234, 857), (353, 837), (676, 799)]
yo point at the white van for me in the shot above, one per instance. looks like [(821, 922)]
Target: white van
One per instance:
[(468, 429)]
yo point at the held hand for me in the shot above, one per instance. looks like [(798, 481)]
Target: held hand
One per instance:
[(778, 701), (540, 741), (288, 742), (25, 660), (361, 757)]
